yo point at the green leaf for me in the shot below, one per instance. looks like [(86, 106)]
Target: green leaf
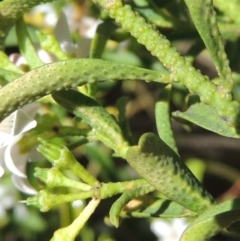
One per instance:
[(122, 119), (205, 116), (7, 76), (26, 46), (163, 121), (65, 75), (213, 221), (204, 18), (50, 43), (152, 207), (156, 162), (103, 124), (124, 199)]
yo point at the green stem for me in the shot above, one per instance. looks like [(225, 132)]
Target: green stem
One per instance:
[(180, 69), (110, 189), (204, 17), (70, 232)]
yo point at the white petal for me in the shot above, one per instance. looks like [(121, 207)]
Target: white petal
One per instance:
[(70, 11), (179, 225), (23, 185), (7, 124), (5, 139), (46, 57), (167, 231), (14, 160), (22, 123), (6, 130), (2, 163), (89, 26), (31, 109), (18, 122), (69, 48), (62, 32), (161, 228)]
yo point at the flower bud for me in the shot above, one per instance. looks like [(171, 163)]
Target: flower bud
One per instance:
[(62, 158), (55, 178), (46, 200)]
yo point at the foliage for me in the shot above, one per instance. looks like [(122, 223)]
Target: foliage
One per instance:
[(73, 91)]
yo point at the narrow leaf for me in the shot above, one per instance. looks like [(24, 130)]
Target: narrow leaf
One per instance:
[(205, 116), (213, 221)]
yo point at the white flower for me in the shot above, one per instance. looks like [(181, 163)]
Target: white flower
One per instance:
[(12, 130), (170, 230), (78, 20), (49, 12), (81, 48), (63, 35)]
